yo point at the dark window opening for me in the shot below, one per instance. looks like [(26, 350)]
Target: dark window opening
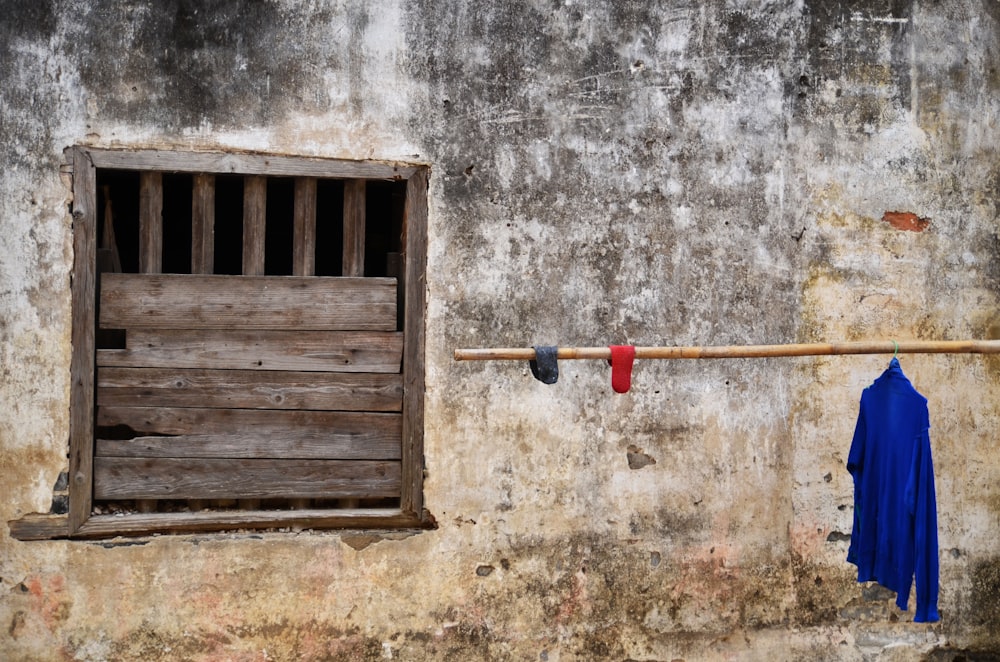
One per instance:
[(176, 224), (384, 205), (228, 224), (329, 229), (279, 226), (118, 197)]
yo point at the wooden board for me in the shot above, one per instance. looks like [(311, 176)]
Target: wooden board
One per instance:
[(150, 243), (203, 224), (283, 426), (245, 164), (249, 389), (81, 406), (380, 441), (254, 215), (327, 351), (167, 478), (39, 527), (354, 228), (415, 260), (304, 227), (102, 526), (179, 301), (49, 527), (150, 222)]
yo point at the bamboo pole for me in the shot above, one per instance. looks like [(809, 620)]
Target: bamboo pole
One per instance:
[(747, 351)]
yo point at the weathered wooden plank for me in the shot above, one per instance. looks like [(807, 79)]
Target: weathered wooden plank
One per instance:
[(378, 442), (304, 227), (39, 527), (254, 215), (169, 478), (150, 245), (81, 410), (354, 228), (248, 164), (414, 260), (150, 222), (282, 426), (203, 224), (313, 351), (103, 526), (179, 301), (249, 389)]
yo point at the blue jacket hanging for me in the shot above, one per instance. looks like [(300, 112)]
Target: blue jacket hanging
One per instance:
[(895, 514)]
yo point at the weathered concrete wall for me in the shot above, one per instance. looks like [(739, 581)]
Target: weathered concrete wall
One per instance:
[(633, 172)]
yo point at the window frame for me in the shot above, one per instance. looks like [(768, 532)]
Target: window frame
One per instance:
[(79, 522)]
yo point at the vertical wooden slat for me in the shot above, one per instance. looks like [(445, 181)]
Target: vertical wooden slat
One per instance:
[(81, 447), (414, 261), (354, 227), (150, 248), (304, 249), (150, 222), (203, 224), (254, 236), (254, 213), (304, 254), (202, 246)]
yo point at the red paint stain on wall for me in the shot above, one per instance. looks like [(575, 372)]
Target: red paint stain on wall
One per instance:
[(906, 220), (49, 602)]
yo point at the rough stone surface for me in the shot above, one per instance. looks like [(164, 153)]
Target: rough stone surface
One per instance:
[(672, 172)]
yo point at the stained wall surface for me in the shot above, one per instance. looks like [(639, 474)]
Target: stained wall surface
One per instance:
[(649, 173)]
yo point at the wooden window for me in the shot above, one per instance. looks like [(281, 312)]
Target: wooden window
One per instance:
[(247, 344)]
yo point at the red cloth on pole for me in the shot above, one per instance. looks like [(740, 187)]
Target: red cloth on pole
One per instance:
[(622, 357)]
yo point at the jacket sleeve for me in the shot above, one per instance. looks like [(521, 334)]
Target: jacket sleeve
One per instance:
[(921, 500), (855, 465), (855, 458)]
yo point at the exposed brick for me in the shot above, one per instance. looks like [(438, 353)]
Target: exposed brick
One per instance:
[(906, 220)]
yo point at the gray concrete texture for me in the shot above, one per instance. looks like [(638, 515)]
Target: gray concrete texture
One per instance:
[(649, 173)]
